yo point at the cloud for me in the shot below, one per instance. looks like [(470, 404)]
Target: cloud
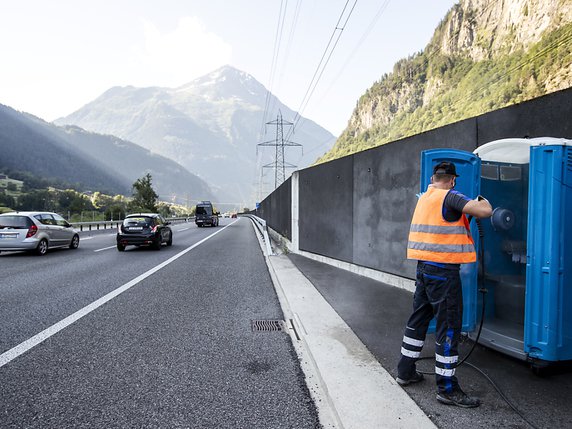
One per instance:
[(177, 57)]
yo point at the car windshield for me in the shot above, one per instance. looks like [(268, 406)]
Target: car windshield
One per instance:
[(204, 210), (16, 222), (138, 221)]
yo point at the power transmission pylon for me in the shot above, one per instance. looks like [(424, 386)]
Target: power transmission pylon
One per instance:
[(279, 143)]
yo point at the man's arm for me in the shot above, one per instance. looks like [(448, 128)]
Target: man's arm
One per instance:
[(478, 208)]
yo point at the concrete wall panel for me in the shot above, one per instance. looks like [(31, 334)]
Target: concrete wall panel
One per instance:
[(275, 209), (325, 207), (386, 180), (544, 116)]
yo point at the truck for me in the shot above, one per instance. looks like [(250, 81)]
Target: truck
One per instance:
[(206, 214)]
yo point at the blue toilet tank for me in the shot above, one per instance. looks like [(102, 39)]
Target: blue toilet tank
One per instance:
[(528, 255)]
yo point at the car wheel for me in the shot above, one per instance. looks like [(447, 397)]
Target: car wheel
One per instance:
[(157, 243), (74, 242), (42, 247), (170, 241), (120, 247)]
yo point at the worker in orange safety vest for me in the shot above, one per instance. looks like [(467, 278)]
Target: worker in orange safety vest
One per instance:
[(440, 239)]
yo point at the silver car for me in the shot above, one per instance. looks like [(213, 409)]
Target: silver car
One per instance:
[(36, 232)]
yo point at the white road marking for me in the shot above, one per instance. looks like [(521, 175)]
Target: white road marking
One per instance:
[(23, 347), (106, 248), (184, 229), (86, 238)]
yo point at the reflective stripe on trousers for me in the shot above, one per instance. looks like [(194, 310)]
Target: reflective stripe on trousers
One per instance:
[(438, 293)]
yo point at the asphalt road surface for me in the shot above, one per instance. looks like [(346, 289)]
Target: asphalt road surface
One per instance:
[(377, 313), (98, 338)]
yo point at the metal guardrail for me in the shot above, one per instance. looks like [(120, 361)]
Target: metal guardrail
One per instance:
[(262, 224), (111, 224)]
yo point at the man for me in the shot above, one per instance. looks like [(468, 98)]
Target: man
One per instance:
[(440, 240)]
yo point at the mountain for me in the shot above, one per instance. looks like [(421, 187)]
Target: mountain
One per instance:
[(484, 55), (211, 126), (90, 161)]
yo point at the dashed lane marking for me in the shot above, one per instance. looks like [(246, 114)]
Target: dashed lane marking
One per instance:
[(106, 248)]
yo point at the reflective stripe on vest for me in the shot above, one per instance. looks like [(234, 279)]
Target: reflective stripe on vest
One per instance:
[(432, 238)]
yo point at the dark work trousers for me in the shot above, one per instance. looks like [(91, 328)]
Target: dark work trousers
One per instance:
[(438, 293)]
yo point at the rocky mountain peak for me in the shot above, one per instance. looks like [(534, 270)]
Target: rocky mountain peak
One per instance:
[(226, 82), (486, 29), (484, 55)]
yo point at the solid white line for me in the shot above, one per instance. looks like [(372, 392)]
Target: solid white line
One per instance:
[(105, 248), (23, 347), (86, 238), (184, 229)]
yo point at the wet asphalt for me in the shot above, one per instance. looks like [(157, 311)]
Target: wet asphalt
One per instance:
[(377, 313)]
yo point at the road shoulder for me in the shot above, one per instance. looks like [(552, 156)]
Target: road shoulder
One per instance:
[(350, 387)]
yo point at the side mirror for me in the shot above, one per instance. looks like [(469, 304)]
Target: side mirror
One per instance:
[(167, 223)]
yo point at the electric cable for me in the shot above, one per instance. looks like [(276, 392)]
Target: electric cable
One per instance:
[(288, 47), (354, 51), (322, 64), (359, 43), (503, 396), (277, 41), (484, 291)]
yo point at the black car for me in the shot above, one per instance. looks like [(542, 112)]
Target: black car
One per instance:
[(145, 229)]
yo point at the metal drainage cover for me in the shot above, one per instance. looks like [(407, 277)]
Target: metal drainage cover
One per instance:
[(267, 325)]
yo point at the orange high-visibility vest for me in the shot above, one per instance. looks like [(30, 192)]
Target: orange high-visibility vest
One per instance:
[(432, 238)]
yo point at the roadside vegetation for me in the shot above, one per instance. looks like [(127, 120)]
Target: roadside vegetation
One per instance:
[(30, 195), (429, 90)]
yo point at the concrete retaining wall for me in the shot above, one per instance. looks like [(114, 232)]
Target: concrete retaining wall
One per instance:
[(357, 209), (276, 209)]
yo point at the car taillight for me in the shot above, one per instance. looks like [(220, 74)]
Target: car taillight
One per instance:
[(119, 229), (154, 229), (32, 231)]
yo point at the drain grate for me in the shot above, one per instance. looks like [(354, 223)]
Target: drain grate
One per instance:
[(267, 325)]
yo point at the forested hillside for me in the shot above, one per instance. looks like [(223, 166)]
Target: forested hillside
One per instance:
[(70, 157), (484, 55)]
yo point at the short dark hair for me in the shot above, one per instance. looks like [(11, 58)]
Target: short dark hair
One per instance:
[(442, 177)]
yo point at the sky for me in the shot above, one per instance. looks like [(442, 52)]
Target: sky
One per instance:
[(59, 55)]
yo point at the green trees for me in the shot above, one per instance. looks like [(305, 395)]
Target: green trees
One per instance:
[(432, 89), (144, 196), (78, 207)]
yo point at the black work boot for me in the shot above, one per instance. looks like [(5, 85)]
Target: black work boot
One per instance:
[(416, 378), (459, 398)]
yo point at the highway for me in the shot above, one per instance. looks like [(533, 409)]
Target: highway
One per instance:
[(98, 338)]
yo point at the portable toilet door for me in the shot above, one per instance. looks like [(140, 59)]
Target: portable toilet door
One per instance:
[(468, 167), (548, 309)]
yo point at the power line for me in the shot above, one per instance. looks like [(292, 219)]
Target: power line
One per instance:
[(354, 51), (326, 55), (364, 36), (277, 42), (288, 46)]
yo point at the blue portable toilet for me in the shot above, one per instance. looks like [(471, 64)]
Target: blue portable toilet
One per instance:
[(528, 259), (468, 168)]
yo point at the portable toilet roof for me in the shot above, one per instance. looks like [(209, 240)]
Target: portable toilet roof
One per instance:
[(515, 150)]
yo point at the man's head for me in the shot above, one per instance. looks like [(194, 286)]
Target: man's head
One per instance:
[(444, 174)]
